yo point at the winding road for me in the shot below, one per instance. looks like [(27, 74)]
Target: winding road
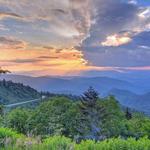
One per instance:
[(21, 103)]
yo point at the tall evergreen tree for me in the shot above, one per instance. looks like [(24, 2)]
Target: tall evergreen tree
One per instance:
[(92, 114), (1, 110), (128, 114)]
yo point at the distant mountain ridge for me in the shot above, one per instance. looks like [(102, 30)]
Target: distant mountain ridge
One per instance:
[(127, 93), (132, 100), (71, 85)]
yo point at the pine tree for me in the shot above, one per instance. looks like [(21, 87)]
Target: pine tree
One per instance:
[(92, 113), (1, 110), (128, 114)]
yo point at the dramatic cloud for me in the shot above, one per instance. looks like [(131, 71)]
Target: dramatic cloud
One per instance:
[(113, 17), (56, 37), (66, 19), (78, 22), (116, 40)]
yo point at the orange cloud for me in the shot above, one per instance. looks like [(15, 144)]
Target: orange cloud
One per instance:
[(45, 61)]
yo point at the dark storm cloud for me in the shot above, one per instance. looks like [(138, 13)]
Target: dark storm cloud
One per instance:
[(123, 22), (112, 17)]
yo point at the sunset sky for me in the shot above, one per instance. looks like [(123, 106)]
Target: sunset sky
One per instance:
[(67, 37)]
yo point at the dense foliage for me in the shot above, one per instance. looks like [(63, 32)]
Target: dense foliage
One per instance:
[(7, 135), (89, 118), (92, 122)]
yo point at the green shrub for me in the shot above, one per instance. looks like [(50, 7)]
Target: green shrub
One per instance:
[(63, 143), (8, 136), (86, 145), (59, 143), (115, 144)]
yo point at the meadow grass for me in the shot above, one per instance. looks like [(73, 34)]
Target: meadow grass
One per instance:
[(63, 143)]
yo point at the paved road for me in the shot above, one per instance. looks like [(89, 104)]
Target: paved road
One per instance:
[(21, 103)]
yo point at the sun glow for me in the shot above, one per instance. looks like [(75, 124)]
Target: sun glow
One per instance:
[(50, 61), (116, 40)]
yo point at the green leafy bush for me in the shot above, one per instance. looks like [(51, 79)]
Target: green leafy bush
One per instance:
[(17, 119), (59, 143), (8, 136)]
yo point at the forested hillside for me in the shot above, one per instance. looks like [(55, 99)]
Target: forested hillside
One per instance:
[(135, 101), (60, 123), (16, 92)]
